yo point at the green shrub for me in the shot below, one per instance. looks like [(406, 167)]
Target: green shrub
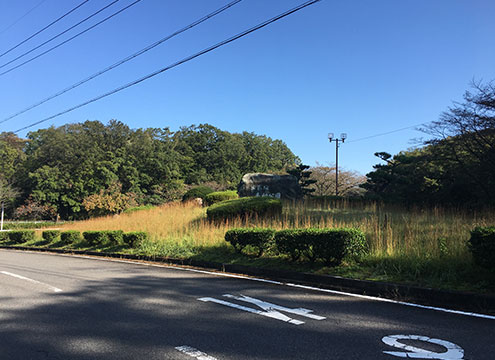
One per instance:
[(218, 196), (50, 235), (21, 236), (482, 246), (329, 245), (197, 192), (70, 237), (4, 236), (245, 207), (333, 245), (259, 239), (96, 238), (289, 242), (115, 237), (134, 239)]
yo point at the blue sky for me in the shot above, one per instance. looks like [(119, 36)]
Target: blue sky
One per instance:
[(361, 67)]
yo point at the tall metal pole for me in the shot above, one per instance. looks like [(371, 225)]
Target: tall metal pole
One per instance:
[(1, 221), (336, 167), (331, 138)]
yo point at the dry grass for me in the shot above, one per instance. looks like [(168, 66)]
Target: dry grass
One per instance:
[(391, 231)]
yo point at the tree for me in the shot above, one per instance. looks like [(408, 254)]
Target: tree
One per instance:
[(467, 131), (109, 201), (303, 176), (349, 181), (7, 196)]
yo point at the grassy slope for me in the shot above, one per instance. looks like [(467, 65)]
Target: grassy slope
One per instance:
[(422, 247)]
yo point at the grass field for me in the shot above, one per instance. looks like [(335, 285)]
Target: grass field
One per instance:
[(421, 246)]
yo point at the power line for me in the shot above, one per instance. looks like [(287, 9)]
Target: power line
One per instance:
[(128, 58), (22, 17), (46, 27), (56, 36), (386, 133), (184, 60)]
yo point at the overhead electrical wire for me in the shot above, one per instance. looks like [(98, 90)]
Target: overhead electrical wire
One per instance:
[(386, 133), (43, 29), (184, 60), (22, 16), (60, 34), (128, 58)]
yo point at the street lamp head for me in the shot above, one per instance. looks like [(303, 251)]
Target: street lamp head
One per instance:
[(343, 136), (330, 137)]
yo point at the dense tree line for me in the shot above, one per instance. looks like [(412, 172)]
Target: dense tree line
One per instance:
[(78, 169), (456, 166)]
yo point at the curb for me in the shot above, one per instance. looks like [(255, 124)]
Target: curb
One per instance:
[(454, 300)]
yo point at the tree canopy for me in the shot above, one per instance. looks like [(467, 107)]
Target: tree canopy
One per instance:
[(72, 168), (456, 166)]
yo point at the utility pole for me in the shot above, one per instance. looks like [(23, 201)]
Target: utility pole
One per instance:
[(331, 138)]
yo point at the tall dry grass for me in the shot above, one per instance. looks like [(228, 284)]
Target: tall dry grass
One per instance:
[(389, 230)]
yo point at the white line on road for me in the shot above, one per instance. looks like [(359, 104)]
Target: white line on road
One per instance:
[(31, 280), (269, 313), (195, 353), (177, 267)]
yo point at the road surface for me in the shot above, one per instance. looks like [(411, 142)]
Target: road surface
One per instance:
[(65, 307)]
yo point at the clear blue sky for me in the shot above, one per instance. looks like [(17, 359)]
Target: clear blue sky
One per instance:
[(360, 67)]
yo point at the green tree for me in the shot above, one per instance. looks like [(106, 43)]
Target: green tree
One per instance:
[(303, 176)]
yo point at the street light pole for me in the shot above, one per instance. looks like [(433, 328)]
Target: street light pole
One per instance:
[(331, 138)]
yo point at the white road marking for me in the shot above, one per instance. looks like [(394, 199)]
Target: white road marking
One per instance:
[(269, 306), (195, 353), (270, 314), (367, 297), (31, 280), (454, 352), (269, 309)]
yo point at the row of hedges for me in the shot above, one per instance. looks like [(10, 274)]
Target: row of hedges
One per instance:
[(93, 238), (328, 245)]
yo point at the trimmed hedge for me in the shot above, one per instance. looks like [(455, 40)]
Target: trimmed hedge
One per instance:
[(104, 237), (329, 245), (134, 239), (260, 239), (288, 242), (197, 192), (482, 246), (218, 196), (115, 237), (4, 236), (245, 206), (21, 236), (50, 235), (70, 237)]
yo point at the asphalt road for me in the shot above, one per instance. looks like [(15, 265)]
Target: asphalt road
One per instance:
[(63, 307)]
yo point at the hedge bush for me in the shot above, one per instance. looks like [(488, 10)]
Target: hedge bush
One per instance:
[(115, 237), (4, 236), (259, 239), (329, 245), (50, 235), (246, 206), (70, 237), (289, 242), (482, 246), (197, 192), (218, 196), (134, 239), (21, 236), (95, 237)]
